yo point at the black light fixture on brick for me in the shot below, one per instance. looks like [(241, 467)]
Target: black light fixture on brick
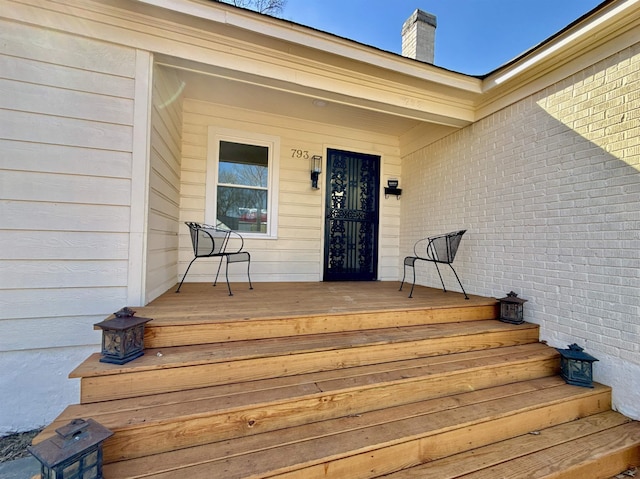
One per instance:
[(122, 337), (392, 188), (75, 452), (512, 309), (576, 366)]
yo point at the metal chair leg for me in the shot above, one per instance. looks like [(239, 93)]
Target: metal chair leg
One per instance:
[(215, 281), (185, 274), (438, 269), (404, 275), (226, 274), (461, 287), (409, 261), (248, 271)]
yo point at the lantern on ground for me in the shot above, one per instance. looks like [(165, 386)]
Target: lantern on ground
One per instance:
[(576, 366), (75, 452), (512, 309), (122, 337)]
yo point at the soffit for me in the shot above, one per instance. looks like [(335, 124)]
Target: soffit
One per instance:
[(203, 84)]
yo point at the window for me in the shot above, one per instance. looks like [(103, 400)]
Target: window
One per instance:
[(241, 182)]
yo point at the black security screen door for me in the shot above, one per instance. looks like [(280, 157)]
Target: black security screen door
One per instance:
[(351, 227)]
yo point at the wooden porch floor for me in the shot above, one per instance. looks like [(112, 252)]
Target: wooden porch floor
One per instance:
[(201, 302), (335, 380)]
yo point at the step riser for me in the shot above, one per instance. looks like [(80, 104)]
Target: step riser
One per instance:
[(189, 334), (184, 432), (143, 383), (597, 456), (382, 461), (605, 466), (487, 458), (380, 442)]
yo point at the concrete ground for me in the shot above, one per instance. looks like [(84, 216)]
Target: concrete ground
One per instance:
[(24, 468)]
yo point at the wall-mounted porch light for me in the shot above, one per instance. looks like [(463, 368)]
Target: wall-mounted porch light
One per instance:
[(74, 452), (316, 169), (576, 366), (392, 188)]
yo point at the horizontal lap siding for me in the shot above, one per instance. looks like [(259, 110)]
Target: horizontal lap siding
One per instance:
[(66, 123), (296, 254), (164, 183)]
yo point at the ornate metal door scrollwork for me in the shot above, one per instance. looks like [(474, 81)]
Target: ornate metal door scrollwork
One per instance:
[(351, 230)]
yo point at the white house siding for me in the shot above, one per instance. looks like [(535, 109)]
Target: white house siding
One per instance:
[(66, 119), (164, 183), (297, 253), (549, 191)]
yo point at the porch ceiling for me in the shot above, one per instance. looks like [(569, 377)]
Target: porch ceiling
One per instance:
[(221, 86)]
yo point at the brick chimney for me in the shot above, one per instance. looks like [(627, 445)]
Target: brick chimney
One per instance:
[(418, 36)]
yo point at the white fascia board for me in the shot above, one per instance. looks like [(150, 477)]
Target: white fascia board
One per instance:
[(326, 42), (581, 31)]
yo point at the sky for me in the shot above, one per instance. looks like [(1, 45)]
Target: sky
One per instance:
[(473, 36)]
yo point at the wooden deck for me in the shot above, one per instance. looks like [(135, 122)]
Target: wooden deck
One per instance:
[(345, 380), (202, 314), (201, 302)]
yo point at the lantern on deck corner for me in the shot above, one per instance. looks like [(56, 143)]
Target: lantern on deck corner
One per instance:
[(122, 337), (576, 366), (512, 309), (75, 452)]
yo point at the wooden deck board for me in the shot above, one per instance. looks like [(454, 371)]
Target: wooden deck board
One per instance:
[(199, 302), (475, 460), (209, 365), (596, 456), (228, 397), (271, 440), (437, 424), (202, 314), (225, 416), (162, 358), (335, 380)]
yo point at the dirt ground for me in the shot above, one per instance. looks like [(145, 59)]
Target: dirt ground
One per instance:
[(14, 446)]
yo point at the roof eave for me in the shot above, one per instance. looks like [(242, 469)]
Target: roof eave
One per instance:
[(292, 32)]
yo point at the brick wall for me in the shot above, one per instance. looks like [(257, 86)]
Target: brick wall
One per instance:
[(549, 191)]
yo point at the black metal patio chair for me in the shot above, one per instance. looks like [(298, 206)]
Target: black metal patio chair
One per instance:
[(211, 242), (435, 249)]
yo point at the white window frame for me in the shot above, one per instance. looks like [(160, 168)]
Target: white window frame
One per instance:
[(214, 136)]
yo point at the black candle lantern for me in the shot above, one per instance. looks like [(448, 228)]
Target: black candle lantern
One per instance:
[(512, 309), (75, 452), (576, 366), (122, 337)]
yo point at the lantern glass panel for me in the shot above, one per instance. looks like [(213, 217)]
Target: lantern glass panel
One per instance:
[(112, 343), (71, 470), (91, 459)]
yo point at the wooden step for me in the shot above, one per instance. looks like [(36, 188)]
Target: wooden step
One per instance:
[(161, 423), (179, 368), (373, 443), (595, 447), (197, 330), (201, 314)]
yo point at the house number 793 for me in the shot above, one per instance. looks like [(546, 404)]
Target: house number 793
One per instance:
[(295, 153)]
